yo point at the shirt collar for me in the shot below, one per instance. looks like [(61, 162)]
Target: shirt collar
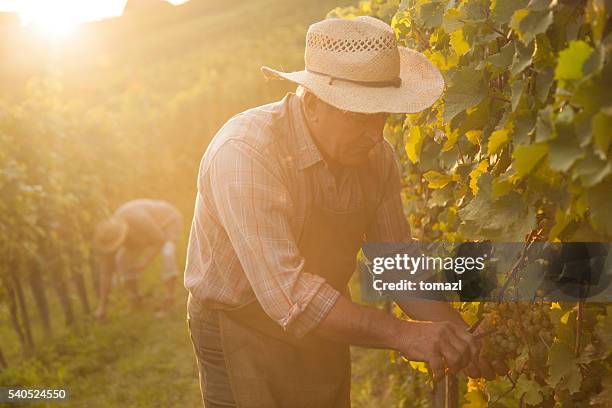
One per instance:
[(307, 152)]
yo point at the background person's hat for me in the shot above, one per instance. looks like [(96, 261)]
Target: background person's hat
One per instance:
[(356, 65), (109, 235)]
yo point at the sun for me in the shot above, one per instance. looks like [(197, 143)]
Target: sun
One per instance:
[(49, 18)]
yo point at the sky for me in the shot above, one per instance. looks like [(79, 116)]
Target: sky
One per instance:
[(60, 17)]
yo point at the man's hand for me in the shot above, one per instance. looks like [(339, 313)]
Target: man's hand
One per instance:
[(483, 368), (440, 344)]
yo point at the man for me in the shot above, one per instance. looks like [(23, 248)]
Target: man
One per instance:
[(129, 241), (287, 192)]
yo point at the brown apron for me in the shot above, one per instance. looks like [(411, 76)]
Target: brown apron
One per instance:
[(269, 367)]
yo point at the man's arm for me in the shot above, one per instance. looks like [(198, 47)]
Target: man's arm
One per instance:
[(439, 343), (390, 226)]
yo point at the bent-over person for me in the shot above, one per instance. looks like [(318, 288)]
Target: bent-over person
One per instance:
[(129, 241), (287, 194)]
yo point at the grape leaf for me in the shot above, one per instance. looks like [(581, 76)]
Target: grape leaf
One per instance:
[(451, 140), (563, 369), (527, 156), (544, 81), (497, 140), (452, 20), (436, 179), (459, 44), (517, 91), (474, 174), (522, 57), (544, 125), (504, 57), (564, 151), (571, 59), (466, 90), (474, 136), (529, 390), (502, 10), (430, 14), (414, 143), (531, 23)]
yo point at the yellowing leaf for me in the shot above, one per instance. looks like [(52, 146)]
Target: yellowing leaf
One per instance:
[(516, 19), (458, 43), (474, 174), (527, 156), (475, 399), (451, 140), (436, 180), (443, 62), (571, 59), (419, 366), (497, 140), (414, 143), (474, 136)]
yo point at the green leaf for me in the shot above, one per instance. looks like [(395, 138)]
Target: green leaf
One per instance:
[(527, 156), (571, 59), (506, 219), (414, 143), (504, 57), (452, 20), (440, 197), (502, 10), (522, 58), (563, 369), (524, 123), (592, 170), (563, 152), (529, 390), (544, 81), (458, 43), (466, 90), (529, 23), (544, 125), (430, 14), (497, 140), (517, 91)]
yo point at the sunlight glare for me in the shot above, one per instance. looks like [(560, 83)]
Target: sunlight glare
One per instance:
[(55, 19)]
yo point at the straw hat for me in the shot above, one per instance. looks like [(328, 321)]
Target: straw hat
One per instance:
[(356, 65), (109, 235)]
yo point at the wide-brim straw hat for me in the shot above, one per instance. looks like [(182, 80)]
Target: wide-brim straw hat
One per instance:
[(110, 235), (356, 65)]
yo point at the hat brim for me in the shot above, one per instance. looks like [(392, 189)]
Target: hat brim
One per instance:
[(422, 84)]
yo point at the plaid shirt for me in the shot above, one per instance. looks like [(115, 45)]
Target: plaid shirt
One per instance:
[(256, 180)]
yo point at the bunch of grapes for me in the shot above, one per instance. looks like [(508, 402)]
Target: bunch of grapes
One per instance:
[(510, 325)]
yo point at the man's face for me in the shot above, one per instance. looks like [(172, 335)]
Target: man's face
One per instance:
[(345, 137)]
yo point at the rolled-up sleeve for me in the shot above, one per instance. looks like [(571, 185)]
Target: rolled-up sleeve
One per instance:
[(254, 206)]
